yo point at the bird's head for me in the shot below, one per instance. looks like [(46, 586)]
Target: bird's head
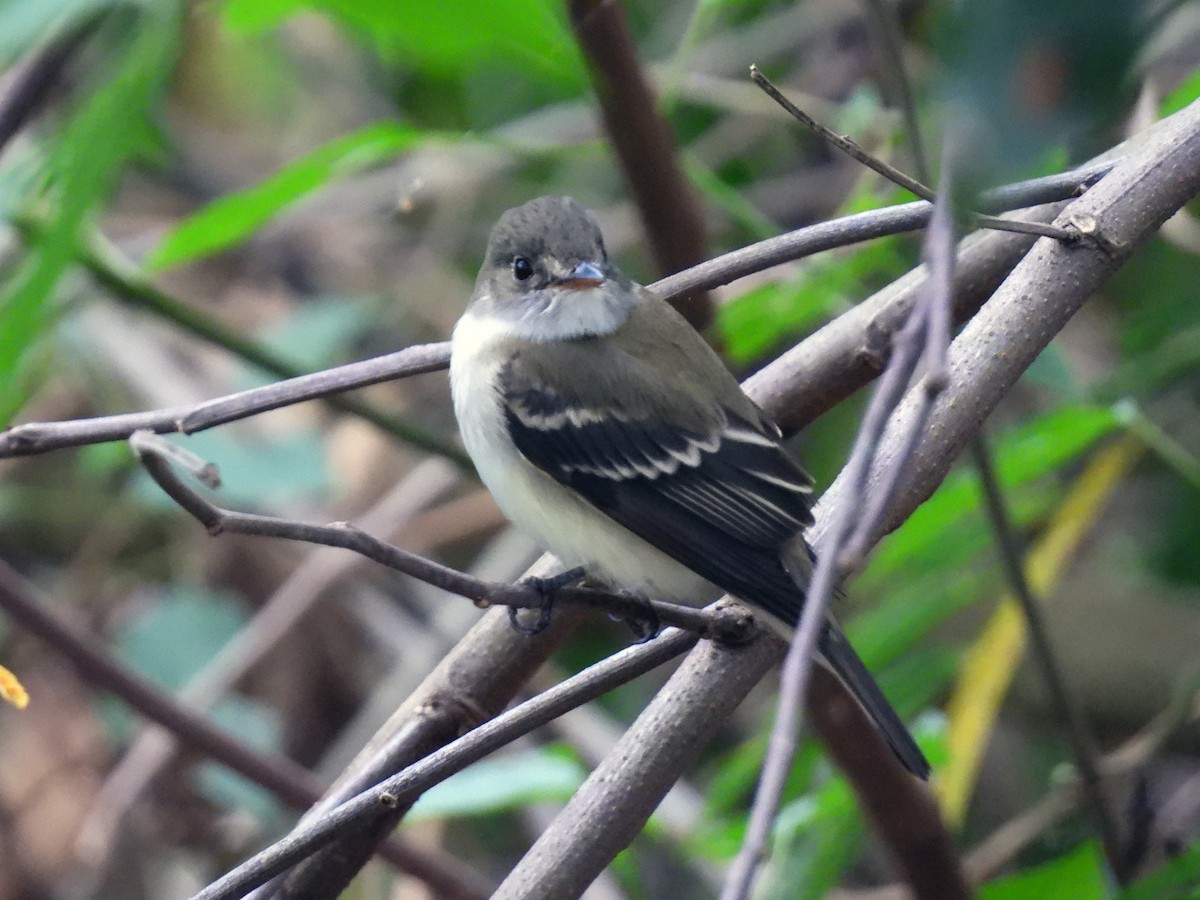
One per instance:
[(547, 276)]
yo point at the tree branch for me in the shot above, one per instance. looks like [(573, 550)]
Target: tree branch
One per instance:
[(287, 780), (861, 367), (925, 335), (409, 784), (728, 626), (672, 218)]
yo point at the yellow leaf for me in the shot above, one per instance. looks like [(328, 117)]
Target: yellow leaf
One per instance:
[(12, 690), (992, 660)]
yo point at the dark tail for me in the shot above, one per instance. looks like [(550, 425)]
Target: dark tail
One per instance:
[(854, 674)]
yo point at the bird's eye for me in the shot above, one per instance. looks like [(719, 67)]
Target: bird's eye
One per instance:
[(522, 269)]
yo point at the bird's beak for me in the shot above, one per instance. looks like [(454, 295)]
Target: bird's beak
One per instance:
[(584, 275)]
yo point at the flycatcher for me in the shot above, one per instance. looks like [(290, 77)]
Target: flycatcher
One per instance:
[(607, 429)]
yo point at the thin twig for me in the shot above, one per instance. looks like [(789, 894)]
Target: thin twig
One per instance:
[(925, 338), (1064, 701), (727, 625), (890, 41), (406, 786), (154, 747), (999, 848), (330, 870), (852, 149), (38, 437), (850, 533), (846, 144)]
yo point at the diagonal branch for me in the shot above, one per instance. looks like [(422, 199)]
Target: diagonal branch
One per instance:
[(405, 787), (671, 215)]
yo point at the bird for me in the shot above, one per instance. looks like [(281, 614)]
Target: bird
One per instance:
[(609, 431)]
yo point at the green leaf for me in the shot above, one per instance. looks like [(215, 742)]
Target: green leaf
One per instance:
[(169, 639), (1183, 96), (78, 174), (495, 785), (235, 217), (446, 37), (1080, 875), (1178, 879), (815, 839)]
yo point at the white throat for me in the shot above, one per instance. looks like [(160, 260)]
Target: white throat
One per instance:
[(558, 315)]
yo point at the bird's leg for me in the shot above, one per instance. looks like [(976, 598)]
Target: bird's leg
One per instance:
[(645, 624), (547, 588)]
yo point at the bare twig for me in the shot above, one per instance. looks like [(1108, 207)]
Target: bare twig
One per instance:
[(409, 784), (1066, 704), (890, 40), (663, 741), (728, 626), (153, 747), (33, 78), (328, 871), (126, 283), (852, 149), (38, 437), (1064, 700), (925, 339), (847, 145), (999, 848)]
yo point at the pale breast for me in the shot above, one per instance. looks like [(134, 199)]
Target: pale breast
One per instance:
[(557, 518)]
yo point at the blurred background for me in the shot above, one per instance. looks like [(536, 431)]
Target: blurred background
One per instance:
[(218, 193)]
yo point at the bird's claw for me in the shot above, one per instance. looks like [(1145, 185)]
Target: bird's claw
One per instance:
[(547, 588), (645, 625)]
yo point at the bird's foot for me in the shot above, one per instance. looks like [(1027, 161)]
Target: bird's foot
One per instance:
[(644, 624), (547, 588)]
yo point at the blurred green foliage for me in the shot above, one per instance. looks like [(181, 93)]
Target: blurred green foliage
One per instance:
[(236, 217), (1078, 875), (78, 172)]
